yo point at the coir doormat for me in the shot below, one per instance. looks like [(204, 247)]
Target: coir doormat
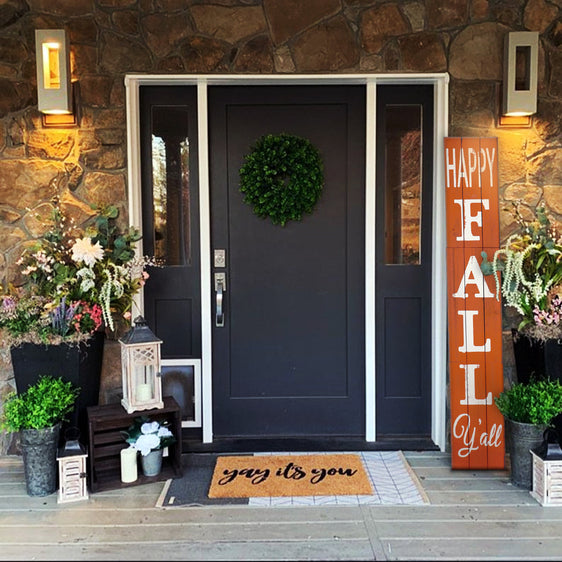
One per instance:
[(289, 475), (392, 480)]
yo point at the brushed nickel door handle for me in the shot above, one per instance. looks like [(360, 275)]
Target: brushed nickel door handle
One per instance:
[(220, 284)]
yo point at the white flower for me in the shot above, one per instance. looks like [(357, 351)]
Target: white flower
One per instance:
[(146, 442), (84, 250), (164, 432), (149, 427), (147, 436), (88, 279)]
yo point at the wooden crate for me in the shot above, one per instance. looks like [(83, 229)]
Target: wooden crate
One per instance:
[(547, 481), (105, 424)]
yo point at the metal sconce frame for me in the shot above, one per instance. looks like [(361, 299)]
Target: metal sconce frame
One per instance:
[(55, 96), (519, 99)]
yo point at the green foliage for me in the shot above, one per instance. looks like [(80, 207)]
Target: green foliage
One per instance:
[(282, 177), (22, 316), (530, 264), (536, 402), (42, 405), (119, 245)]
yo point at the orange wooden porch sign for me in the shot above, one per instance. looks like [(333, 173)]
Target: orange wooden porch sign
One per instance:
[(474, 313)]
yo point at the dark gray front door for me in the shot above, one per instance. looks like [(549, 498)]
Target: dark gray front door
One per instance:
[(289, 360)]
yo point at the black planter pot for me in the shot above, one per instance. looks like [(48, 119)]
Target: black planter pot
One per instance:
[(79, 364), (536, 357), (39, 451), (553, 359)]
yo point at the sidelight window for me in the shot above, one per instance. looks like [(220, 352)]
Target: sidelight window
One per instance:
[(403, 194), (171, 184)]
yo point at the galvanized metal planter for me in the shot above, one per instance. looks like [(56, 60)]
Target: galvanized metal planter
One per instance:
[(520, 439), (152, 463), (39, 451)]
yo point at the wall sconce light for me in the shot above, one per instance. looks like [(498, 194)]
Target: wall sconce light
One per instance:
[(520, 74), (54, 88)]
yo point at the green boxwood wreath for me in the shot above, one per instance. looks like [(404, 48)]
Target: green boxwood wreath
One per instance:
[(282, 177)]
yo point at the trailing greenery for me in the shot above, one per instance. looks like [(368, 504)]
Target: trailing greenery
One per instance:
[(536, 402), (42, 405), (530, 263), (282, 177)]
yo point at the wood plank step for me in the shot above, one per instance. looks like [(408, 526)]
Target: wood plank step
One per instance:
[(77, 515), (474, 549), (466, 484), (476, 529), (149, 533), (328, 549), (482, 498)]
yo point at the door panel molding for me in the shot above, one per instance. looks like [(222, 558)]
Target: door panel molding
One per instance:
[(439, 295)]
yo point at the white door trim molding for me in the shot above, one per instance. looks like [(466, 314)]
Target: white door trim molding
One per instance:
[(439, 290)]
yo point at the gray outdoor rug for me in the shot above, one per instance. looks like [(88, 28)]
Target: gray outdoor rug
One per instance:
[(392, 479)]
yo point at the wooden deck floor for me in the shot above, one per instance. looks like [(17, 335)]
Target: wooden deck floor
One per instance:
[(473, 515)]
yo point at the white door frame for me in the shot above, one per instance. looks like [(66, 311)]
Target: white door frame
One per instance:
[(439, 270)]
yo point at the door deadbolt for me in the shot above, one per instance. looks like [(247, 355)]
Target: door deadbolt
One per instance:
[(220, 258)]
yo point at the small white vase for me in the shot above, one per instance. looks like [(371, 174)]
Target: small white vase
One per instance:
[(152, 463)]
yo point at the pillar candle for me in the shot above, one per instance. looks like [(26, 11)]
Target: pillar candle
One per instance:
[(143, 393), (129, 465)]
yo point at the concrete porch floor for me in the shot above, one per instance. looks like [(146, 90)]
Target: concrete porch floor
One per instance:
[(473, 515)]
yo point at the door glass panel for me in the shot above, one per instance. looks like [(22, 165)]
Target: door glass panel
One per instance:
[(171, 187), (179, 382), (403, 173)]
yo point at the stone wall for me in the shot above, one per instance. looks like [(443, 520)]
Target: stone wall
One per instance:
[(109, 38)]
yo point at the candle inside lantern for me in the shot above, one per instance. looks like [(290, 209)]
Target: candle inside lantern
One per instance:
[(143, 393), (129, 465)]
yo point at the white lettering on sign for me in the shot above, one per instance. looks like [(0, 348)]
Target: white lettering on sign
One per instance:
[(473, 276), (470, 388), (463, 430), (467, 220), (478, 162), (468, 331), (473, 165)]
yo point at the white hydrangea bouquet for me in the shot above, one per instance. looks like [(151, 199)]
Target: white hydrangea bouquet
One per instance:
[(147, 435)]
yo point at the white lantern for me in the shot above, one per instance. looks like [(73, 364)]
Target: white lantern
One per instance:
[(72, 472), (140, 368)]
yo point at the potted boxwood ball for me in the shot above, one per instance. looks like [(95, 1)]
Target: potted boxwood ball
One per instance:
[(38, 414), (528, 410)]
